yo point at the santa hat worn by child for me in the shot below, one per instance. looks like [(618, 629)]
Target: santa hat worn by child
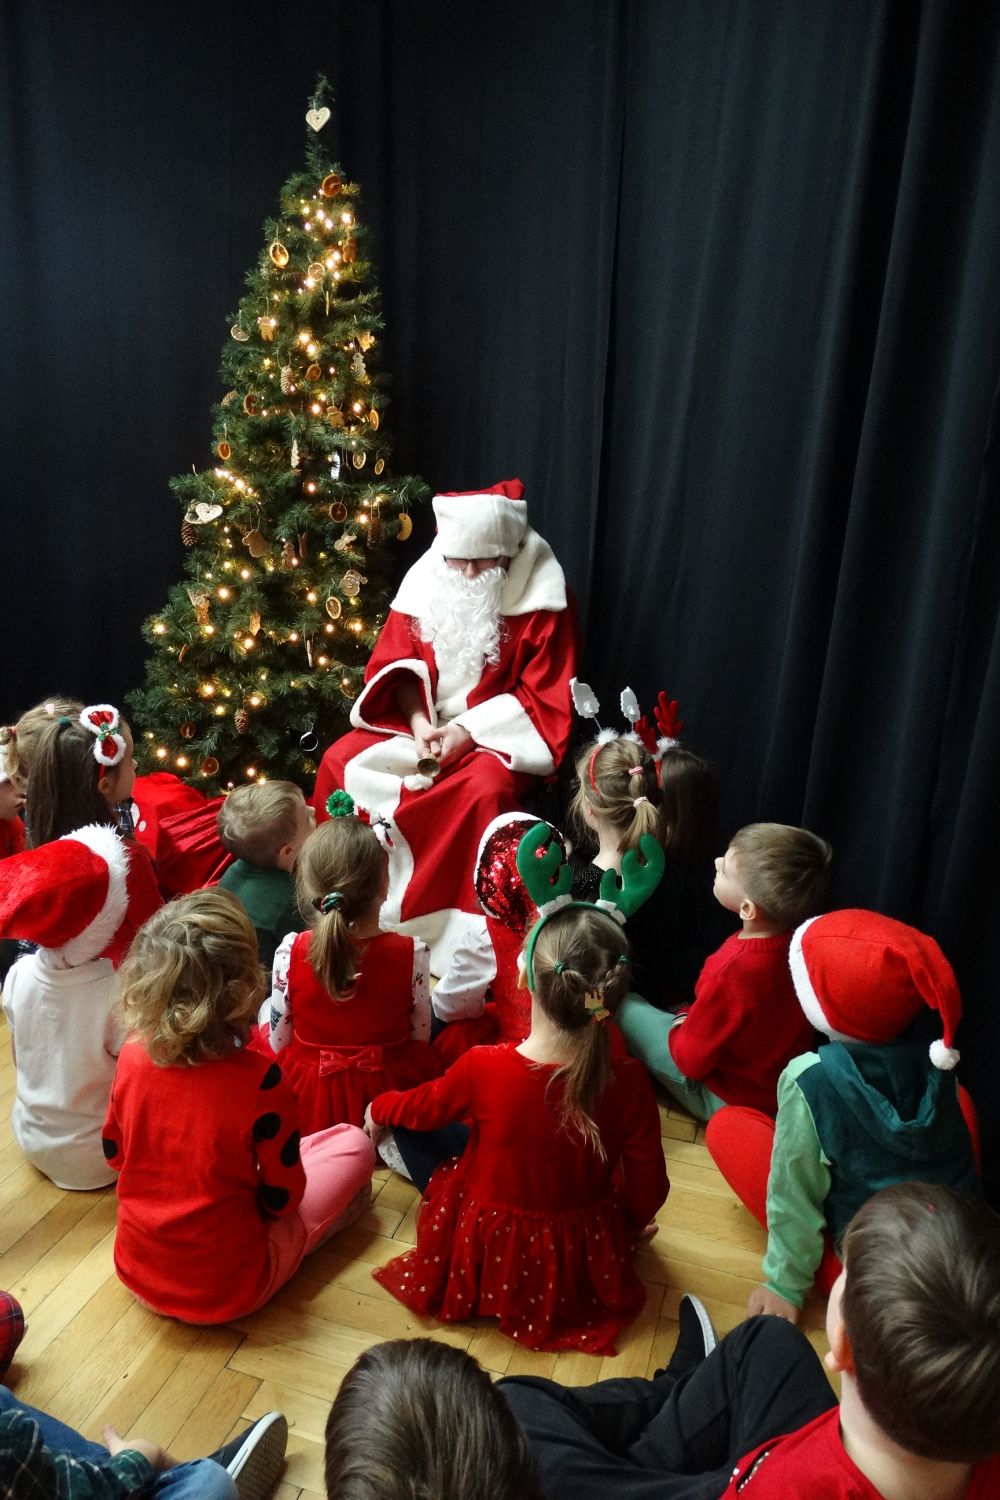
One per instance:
[(482, 523), (862, 977), (68, 897)]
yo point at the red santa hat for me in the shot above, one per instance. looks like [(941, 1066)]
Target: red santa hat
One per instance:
[(482, 523), (862, 977), (69, 896)]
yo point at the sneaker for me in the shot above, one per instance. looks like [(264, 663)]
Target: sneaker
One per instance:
[(254, 1459), (696, 1337), (392, 1156)]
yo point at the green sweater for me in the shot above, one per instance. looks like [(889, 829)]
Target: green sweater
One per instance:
[(268, 897)]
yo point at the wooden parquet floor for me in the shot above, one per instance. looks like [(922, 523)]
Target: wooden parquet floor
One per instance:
[(92, 1355)]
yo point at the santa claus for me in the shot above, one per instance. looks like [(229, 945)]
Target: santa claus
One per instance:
[(465, 706)]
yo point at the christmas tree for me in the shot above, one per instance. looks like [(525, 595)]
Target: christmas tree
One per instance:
[(291, 535)]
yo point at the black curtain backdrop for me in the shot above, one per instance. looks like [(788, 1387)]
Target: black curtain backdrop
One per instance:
[(720, 279)]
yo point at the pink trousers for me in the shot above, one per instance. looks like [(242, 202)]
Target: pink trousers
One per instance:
[(338, 1164)]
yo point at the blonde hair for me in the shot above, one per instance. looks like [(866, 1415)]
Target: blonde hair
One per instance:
[(581, 956), (192, 980), (256, 821), (784, 870), (341, 859), (618, 782), (19, 739)]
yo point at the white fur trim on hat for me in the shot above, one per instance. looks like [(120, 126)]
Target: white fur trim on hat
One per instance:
[(480, 525), (108, 845), (502, 820), (807, 996)]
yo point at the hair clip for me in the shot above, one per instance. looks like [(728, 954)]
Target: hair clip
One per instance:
[(595, 1007), (334, 901), (559, 967), (340, 804), (102, 720)]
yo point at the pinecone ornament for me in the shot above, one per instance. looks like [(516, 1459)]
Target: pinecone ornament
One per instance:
[(188, 534), (242, 720)]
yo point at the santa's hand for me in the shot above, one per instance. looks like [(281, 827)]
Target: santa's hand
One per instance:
[(455, 740), (427, 738), (763, 1301)]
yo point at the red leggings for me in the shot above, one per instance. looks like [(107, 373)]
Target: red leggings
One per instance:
[(740, 1141)]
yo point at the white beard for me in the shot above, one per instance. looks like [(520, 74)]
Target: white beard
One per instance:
[(462, 620)]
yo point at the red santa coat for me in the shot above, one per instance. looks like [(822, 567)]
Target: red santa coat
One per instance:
[(518, 713)]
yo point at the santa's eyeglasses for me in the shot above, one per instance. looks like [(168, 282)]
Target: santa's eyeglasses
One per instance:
[(473, 566)]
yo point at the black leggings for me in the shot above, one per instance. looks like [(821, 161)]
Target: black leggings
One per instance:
[(668, 1439)]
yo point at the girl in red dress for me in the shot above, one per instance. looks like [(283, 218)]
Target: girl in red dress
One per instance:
[(536, 1222), (219, 1198), (349, 1013)]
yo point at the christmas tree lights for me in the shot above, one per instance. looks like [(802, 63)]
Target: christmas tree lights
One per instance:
[(292, 530)]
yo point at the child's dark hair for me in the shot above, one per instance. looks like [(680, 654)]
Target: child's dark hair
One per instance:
[(337, 878), (256, 820), (580, 967), (921, 1308), (61, 792), (785, 870), (192, 980), (418, 1420), (690, 806), (617, 780)]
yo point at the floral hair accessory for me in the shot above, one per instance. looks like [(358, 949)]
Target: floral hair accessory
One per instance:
[(340, 804), (596, 1009), (102, 720), (333, 901)]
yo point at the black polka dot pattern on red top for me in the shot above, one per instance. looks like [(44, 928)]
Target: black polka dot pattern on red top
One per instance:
[(289, 1156), (266, 1127), (109, 1147), (272, 1198), (271, 1078)]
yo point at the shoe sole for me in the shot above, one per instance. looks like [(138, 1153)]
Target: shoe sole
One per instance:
[(256, 1468), (708, 1334)]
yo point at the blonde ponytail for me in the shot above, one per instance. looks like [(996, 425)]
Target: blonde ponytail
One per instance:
[(337, 880), (617, 781)]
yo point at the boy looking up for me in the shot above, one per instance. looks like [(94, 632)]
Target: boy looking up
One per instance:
[(745, 1023), (265, 826)]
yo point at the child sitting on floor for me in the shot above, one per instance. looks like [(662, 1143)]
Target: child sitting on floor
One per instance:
[(745, 1023), (914, 1332), (265, 825), (349, 1013), (218, 1198), (868, 1109), (67, 899), (80, 771), (535, 1222)]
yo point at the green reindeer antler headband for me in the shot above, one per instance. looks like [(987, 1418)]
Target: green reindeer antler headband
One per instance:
[(547, 878)]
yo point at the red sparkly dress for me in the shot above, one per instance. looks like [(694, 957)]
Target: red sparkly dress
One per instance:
[(529, 1224), (338, 1054)]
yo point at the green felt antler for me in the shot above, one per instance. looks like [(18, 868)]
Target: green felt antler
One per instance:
[(547, 875), (639, 877)]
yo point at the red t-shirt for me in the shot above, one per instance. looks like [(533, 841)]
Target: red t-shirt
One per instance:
[(813, 1462), (745, 1024), (206, 1154)]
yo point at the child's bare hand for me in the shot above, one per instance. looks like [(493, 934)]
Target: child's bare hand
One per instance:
[(651, 1230), (763, 1301), (157, 1456), (373, 1131)]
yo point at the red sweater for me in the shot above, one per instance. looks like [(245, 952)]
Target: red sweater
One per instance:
[(813, 1462), (206, 1154), (745, 1024)]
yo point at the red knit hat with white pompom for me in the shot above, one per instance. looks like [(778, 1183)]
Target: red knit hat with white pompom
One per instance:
[(862, 977), (69, 896), (482, 523)]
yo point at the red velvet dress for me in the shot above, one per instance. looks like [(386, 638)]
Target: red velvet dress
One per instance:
[(344, 1052), (530, 1225)]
